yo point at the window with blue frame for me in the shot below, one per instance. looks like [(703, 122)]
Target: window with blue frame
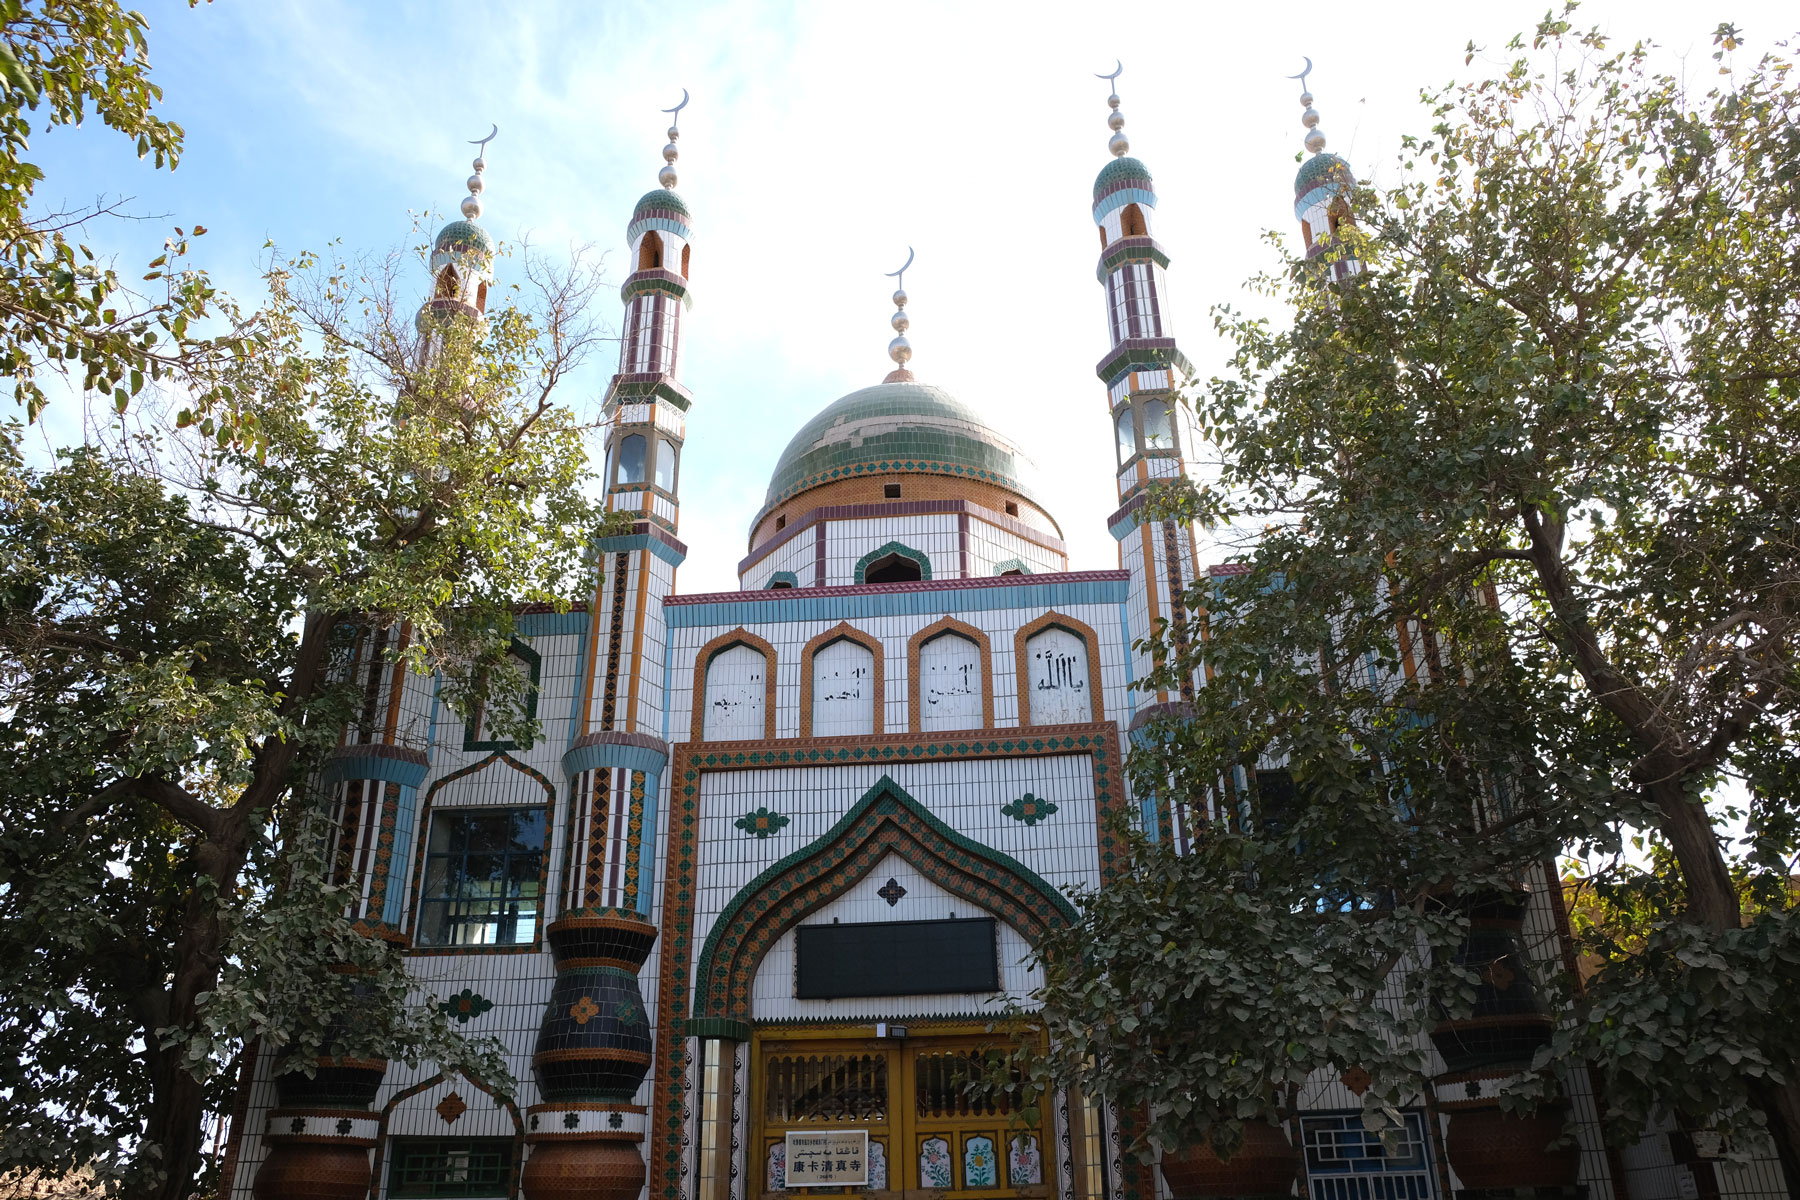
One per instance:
[(1345, 1161), (484, 873)]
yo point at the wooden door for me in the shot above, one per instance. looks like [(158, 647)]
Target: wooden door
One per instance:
[(927, 1139)]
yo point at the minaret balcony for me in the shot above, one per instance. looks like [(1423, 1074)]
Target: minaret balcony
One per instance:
[(1129, 250)]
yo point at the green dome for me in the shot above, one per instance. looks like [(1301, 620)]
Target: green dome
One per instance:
[(1319, 168), (907, 427), (1121, 170), (464, 235), (661, 198)]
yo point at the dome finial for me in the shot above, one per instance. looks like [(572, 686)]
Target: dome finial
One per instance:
[(1315, 137), (471, 205), (900, 350), (670, 153), (1115, 120)]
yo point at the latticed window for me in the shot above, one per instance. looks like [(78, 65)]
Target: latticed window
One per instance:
[(483, 875), (450, 1167), (941, 1080), (826, 1089)]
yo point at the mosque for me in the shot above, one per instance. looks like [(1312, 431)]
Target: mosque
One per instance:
[(743, 914)]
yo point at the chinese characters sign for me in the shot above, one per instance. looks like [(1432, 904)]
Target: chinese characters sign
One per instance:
[(828, 1158)]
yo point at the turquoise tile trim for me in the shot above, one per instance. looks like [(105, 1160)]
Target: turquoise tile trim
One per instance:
[(581, 680), (404, 813), (647, 856), (374, 766), (796, 605), (787, 577), (680, 229), (566, 624), (880, 552), (632, 758), (1120, 199), (1011, 564), (1124, 527), (641, 541)]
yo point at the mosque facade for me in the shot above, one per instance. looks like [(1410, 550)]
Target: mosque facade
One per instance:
[(744, 913)]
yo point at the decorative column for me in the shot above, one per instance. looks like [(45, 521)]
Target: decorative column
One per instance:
[(593, 1052), (1499, 1155), (322, 1128), (593, 1048), (1154, 430)]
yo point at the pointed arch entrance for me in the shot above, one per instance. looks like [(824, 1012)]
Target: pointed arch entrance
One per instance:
[(885, 821)]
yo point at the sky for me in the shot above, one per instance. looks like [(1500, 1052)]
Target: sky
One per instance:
[(821, 142)]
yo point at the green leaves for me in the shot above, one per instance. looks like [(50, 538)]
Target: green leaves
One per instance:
[(1517, 512)]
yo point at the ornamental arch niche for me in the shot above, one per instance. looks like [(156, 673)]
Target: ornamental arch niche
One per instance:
[(863, 713), (885, 821), (1057, 659), (743, 684)]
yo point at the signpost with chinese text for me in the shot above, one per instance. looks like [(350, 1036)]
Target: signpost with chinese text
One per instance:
[(828, 1158)]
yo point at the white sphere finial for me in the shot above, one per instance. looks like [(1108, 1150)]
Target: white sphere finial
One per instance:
[(1315, 137), (900, 350), (667, 176), (471, 205), (1115, 120)]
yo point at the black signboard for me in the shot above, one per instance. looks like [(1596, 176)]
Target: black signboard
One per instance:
[(896, 958)]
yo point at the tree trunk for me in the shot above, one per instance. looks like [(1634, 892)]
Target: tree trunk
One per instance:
[(178, 1103), (1712, 900)]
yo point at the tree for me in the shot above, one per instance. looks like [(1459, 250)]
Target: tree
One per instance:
[(61, 309), (1525, 580), (175, 608)]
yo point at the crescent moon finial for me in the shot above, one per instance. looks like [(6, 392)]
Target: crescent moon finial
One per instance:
[(676, 111), (1303, 74), (1118, 70), (482, 142), (900, 350)]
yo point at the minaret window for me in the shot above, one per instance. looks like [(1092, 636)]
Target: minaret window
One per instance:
[(665, 464), (631, 459), (684, 261), (890, 491), (1131, 222), (1159, 432), (1127, 436), (650, 252), (448, 286), (481, 297)]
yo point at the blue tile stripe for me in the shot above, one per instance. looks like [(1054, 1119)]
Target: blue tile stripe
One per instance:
[(1120, 199), (612, 754), (799, 605), (374, 766), (573, 622), (640, 541)]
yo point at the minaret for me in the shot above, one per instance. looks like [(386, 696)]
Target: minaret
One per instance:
[(1323, 191), (646, 422), (462, 261), (1154, 431), (593, 1049)]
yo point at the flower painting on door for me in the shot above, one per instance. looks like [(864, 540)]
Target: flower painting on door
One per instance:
[(934, 1163), (777, 1166), (978, 1163), (1024, 1165), (877, 1165)]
